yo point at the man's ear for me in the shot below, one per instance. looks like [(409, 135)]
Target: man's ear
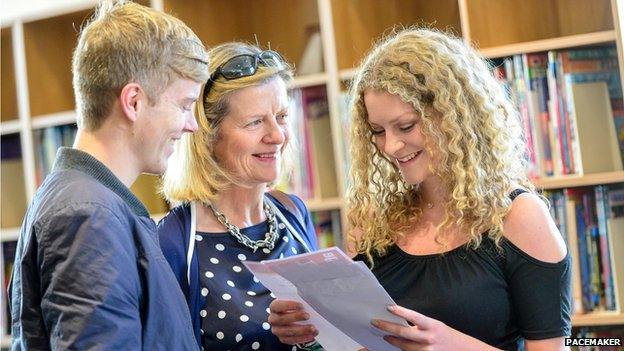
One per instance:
[(131, 100)]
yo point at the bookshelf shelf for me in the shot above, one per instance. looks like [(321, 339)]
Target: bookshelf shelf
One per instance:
[(309, 80), (324, 204), (54, 119), (597, 318), (10, 127), (572, 181), (550, 44), (347, 74), (9, 234)]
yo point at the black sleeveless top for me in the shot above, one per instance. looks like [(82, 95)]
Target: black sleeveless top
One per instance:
[(499, 296)]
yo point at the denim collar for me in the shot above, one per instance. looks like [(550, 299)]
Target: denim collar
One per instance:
[(69, 158)]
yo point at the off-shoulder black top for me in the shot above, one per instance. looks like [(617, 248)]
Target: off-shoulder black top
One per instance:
[(500, 296)]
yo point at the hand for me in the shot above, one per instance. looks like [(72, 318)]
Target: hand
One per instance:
[(284, 318), (426, 334)]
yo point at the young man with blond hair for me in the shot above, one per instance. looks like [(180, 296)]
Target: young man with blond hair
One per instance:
[(88, 271)]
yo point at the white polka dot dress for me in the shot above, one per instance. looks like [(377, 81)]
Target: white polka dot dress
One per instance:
[(234, 316)]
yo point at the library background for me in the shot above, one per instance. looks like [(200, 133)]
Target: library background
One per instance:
[(562, 60)]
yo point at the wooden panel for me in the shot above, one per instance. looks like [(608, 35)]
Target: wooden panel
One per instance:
[(13, 194), (502, 22), (146, 188), (285, 24), (570, 181), (359, 23), (49, 45), (8, 99)]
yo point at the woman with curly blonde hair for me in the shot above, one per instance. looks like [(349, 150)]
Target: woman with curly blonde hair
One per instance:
[(442, 208)]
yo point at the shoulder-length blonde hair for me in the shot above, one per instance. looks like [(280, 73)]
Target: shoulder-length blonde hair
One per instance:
[(466, 116), (193, 172)]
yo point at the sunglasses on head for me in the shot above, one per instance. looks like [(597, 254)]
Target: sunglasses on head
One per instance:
[(244, 66)]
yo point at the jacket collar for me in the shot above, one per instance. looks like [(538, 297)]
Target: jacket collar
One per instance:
[(69, 158)]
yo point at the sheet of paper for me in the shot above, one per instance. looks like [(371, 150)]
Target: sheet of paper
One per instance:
[(329, 336), (341, 296)]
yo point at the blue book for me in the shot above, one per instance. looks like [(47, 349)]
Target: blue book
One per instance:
[(583, 261)]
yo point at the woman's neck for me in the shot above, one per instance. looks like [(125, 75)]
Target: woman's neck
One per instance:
[(242, 207), (433, 194)]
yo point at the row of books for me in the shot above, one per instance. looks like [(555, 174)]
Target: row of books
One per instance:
[(313, 173), (593, 218), (47, 142), (328, 228), (571, 106)]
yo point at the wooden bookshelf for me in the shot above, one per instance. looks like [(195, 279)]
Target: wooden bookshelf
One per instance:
[(550, 44), (285, 25), (13, 198), (347, 74), (335, 203), (10, 127), (498, 23), (48, 62), (146, 189), (9, 234), (54, 119), (8, 108), (358, 24), (597, 318), (308, 80), (572, 181)]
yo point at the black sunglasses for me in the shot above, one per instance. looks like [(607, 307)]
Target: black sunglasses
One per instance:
[(244, 66)]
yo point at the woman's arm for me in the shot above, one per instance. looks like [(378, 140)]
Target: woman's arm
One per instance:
[(554, 344)]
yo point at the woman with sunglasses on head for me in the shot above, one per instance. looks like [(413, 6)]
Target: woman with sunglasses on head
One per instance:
[(444, 213), (221, 174)]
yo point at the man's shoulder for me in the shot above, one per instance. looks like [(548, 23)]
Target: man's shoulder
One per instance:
[(74, 191)]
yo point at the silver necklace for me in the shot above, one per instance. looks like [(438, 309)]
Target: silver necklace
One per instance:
[(269, 238)]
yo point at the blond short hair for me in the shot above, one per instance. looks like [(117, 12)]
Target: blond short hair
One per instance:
[(126, 42), (477, 134), (194, 174)]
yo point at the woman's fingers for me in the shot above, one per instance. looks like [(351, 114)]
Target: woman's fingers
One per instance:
[(294, 333), (418, 319), (403, 344), (288, 318), (281, 306), (411, 333), (283, 320)]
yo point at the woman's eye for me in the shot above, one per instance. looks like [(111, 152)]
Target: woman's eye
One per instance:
[(407, 128), (254, 123), (377, 132), (282, 117)]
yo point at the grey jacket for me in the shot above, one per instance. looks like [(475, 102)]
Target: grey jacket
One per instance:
[(88, 272)]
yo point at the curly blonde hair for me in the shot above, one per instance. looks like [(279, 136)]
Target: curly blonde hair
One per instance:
[(477, 135), (193, 172)]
